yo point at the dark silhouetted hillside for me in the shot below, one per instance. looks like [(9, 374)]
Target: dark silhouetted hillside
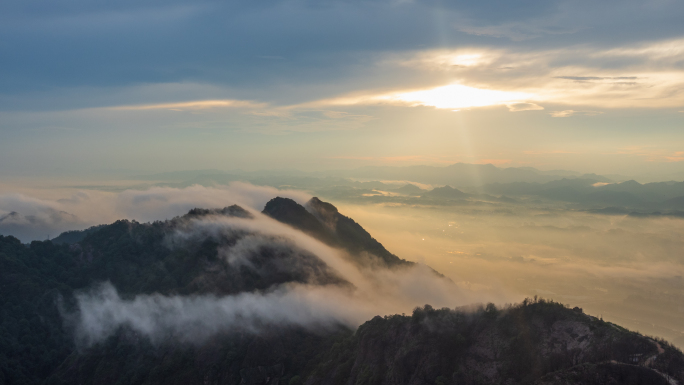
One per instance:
[(486, 345), (73, 236), (323, 221)]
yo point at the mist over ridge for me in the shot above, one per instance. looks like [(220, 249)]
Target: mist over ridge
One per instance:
[(300, 280), (520, 237), (301, 267)]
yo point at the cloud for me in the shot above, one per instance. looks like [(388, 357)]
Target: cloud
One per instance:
[(613, 79), (586, 77), (452, 96), (663, 50), (191, 43), (444, 59), (166, 202), (443, 160), (676, 157), (380, 291), (29, 218), (549, 152), (36, 218), (195, 319), (515, 31), (652, 154), (267, 228), (517, 107), (193, 105), (43, 225), (456, 96), (524, 78), (568, 113), (562, 114), (26, 204), (573, 75)]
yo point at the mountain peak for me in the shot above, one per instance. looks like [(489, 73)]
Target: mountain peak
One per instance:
[(288, 211), (446, 192), (325, 212), (321, 206), (631, 183), (323, 221), (231, 211), (410, 189)]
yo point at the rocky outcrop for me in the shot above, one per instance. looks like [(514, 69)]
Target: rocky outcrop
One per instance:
[(323, 221), (518, 345)]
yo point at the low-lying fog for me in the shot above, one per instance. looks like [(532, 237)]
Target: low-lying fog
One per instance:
[(627, 269)]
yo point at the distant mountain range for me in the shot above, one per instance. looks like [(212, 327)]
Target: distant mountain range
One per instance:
[(458, 181), (460, 175), (464, 175), (420, 185), (590, 192)]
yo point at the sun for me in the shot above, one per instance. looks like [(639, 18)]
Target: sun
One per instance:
[(457, 96)]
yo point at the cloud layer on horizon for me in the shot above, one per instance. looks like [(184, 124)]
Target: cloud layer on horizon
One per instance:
[(29, 218)]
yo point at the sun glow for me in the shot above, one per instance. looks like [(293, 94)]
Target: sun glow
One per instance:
[(457, 96), (466, 60)]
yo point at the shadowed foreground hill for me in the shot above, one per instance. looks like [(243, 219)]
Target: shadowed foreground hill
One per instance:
[(534, 342), (205, 252)]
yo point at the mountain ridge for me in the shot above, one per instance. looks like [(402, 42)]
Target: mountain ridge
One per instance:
[(203, 253)]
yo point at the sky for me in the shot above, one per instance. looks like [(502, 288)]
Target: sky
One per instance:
[(95, 87)]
